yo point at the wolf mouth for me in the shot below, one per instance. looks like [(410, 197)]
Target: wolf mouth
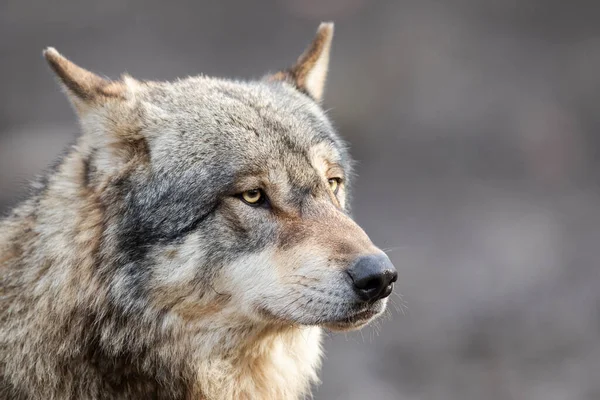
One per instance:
[(353, 318), (356, 319)]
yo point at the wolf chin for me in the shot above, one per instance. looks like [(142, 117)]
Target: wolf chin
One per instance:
[(192, 244)]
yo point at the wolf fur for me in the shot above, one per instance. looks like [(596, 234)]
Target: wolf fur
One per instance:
[(136, 271)]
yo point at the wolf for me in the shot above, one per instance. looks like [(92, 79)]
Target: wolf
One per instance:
[(192, 244)]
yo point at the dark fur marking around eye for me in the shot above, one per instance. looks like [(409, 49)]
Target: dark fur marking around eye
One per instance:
[(163, 209)]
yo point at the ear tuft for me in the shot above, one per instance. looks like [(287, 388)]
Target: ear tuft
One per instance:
[(84, 87), (309, 74)]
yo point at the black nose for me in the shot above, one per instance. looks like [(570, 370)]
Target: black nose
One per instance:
[(373, 277)]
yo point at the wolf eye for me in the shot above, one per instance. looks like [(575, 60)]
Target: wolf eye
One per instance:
[(253, 197), (334, 184)]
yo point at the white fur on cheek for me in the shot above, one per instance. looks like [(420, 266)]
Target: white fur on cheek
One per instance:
[(183, 266), (249, 279)]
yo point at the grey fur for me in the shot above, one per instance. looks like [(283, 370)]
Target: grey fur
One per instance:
[(123, 275)]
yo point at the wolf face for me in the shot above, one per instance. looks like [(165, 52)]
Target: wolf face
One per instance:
[(227, 199)]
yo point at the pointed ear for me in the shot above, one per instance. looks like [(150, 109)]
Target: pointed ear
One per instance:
[(84, 88), (111, 129), (310, 71)]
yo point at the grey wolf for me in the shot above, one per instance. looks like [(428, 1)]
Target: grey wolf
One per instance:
[(192, 244)]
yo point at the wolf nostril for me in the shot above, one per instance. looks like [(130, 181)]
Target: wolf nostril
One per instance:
[(369, 283), (372, 277)]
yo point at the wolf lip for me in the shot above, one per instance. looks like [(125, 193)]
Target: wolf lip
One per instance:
[(358, 317), (353, 321), (361, 316)]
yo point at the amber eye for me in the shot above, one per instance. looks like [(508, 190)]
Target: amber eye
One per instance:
[(253, 197), (334, 184)]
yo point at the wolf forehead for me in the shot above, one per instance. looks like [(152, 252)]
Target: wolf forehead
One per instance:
[(243, 126)]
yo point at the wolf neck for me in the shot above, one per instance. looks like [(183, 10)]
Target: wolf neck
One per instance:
[(258, 363)]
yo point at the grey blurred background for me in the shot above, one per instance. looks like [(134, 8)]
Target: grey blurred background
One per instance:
[(475, 126)]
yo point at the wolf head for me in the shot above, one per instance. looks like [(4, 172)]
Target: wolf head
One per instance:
[(226, 199)]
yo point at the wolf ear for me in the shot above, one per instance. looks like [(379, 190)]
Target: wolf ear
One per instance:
[(105, 110), (84, 88), (310, 71)]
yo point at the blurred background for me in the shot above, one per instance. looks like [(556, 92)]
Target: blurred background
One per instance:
[(475, 126)]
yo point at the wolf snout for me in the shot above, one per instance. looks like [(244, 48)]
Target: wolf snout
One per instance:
[(373, 277)]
